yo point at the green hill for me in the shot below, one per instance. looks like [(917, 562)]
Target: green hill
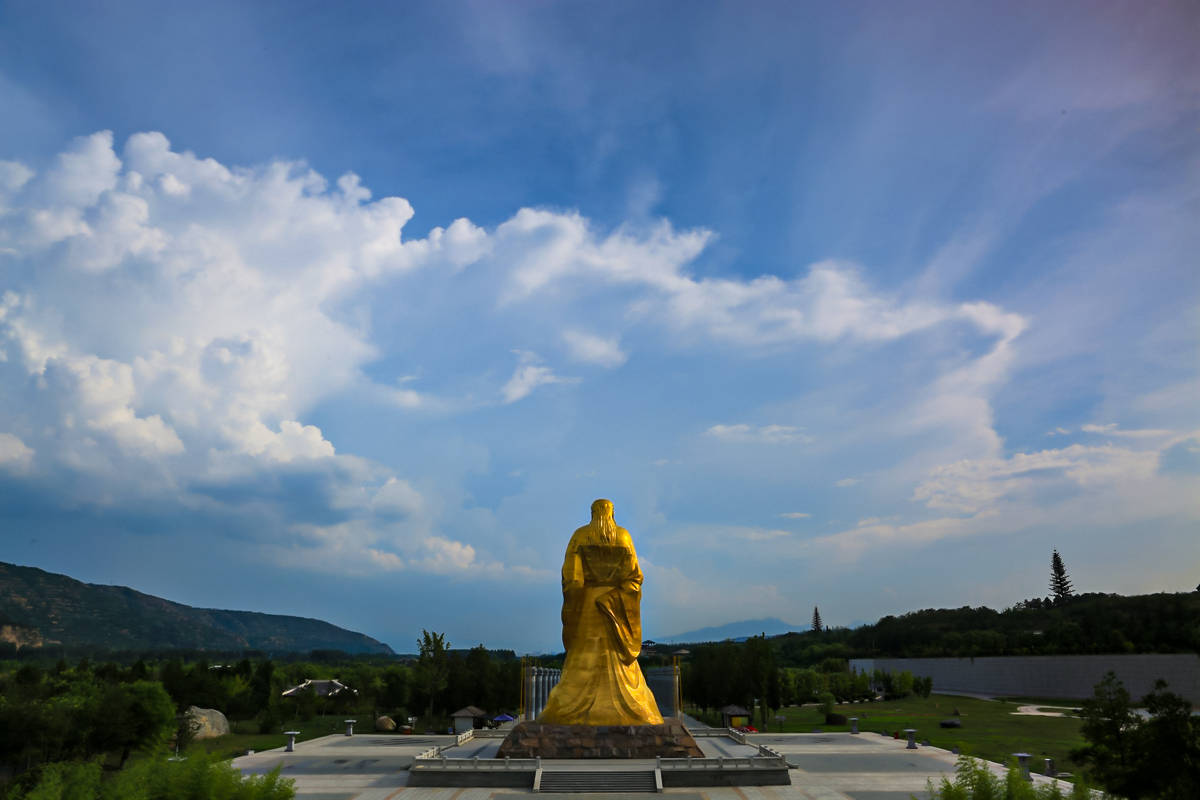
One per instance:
[(40, 609)]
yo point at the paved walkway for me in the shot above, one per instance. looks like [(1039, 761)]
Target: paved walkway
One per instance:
[(828, 766)]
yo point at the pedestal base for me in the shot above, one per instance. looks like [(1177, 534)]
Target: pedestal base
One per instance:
[(535, 739)]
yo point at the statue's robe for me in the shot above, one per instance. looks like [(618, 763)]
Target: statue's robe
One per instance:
[(602, 683)]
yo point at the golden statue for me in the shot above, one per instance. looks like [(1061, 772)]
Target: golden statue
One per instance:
[(601, 682)]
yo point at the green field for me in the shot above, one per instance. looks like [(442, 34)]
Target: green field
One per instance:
[(989, 729)]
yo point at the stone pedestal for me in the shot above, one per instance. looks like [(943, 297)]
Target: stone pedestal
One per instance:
[(535, 739)]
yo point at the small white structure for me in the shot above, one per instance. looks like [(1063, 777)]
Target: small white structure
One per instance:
[(468, 718)]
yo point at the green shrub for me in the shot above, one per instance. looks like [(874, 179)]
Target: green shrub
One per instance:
[(827, 701), (196, 778), (974, 781)]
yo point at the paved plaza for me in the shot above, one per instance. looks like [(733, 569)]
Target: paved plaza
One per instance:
[(823, 766)]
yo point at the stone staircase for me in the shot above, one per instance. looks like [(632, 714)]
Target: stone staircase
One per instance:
[(598, 781)]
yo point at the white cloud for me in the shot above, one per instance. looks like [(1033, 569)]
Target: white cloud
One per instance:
[(594, 349), (14, 455), (181, 319), (847, 482), (397, 496), (973, 486), (1111, 429), (1103, 486), (760, 534), (795, 515), (760, 434), (528, 376)]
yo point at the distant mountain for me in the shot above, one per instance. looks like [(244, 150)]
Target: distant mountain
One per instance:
[(41, 609), (736, 631)]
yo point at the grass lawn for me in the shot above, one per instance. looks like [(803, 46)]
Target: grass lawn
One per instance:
[(989, 728)]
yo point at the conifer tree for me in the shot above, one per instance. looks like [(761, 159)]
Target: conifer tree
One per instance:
[(816, 623), (1060, 584)]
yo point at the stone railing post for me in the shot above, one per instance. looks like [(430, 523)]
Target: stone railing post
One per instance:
[(912, 738), (854, 724), (1050, 771), (1023, 763), (291, 742)]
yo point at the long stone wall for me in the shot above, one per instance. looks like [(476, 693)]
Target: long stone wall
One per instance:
[(1048, 676)]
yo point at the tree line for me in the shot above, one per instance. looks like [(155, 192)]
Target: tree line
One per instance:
[(750, 674), (58, 712), (1071, 625)]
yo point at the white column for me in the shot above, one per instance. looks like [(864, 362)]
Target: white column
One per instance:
[(529, 715)]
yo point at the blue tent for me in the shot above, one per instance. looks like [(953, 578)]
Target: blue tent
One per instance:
[(503, 718)]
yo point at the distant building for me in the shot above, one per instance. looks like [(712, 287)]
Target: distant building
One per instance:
[(323, 688), (735, 716), (469, 718)]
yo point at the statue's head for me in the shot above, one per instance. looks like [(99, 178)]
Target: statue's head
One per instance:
[(602, 509)]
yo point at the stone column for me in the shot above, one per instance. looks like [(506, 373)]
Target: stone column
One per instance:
[(529, 715)]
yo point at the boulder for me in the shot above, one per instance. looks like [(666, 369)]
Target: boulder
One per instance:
[(385, 723), (210, 723), (951, 723), (833, 718)]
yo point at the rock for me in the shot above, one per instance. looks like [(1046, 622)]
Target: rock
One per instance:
[(835, 719), (531, 739), (951, 723), (385, 723), (210, 723)]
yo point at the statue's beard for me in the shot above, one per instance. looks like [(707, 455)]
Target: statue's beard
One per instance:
[(605, 528)]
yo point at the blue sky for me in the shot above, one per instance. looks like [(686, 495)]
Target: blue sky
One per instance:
[(350, 311)]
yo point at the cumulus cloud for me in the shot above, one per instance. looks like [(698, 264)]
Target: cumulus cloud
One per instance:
[(592, 349), (169, 323), (758, 434)]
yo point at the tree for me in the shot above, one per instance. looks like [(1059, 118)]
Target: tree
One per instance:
[(1060, 584), (433, 667), (816, 623), (1155, 758)]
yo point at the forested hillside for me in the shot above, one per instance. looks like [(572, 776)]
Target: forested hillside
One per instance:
[(40, 609)]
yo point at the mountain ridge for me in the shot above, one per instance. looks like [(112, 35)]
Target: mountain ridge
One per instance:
[(742, 629), (41, 609)]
